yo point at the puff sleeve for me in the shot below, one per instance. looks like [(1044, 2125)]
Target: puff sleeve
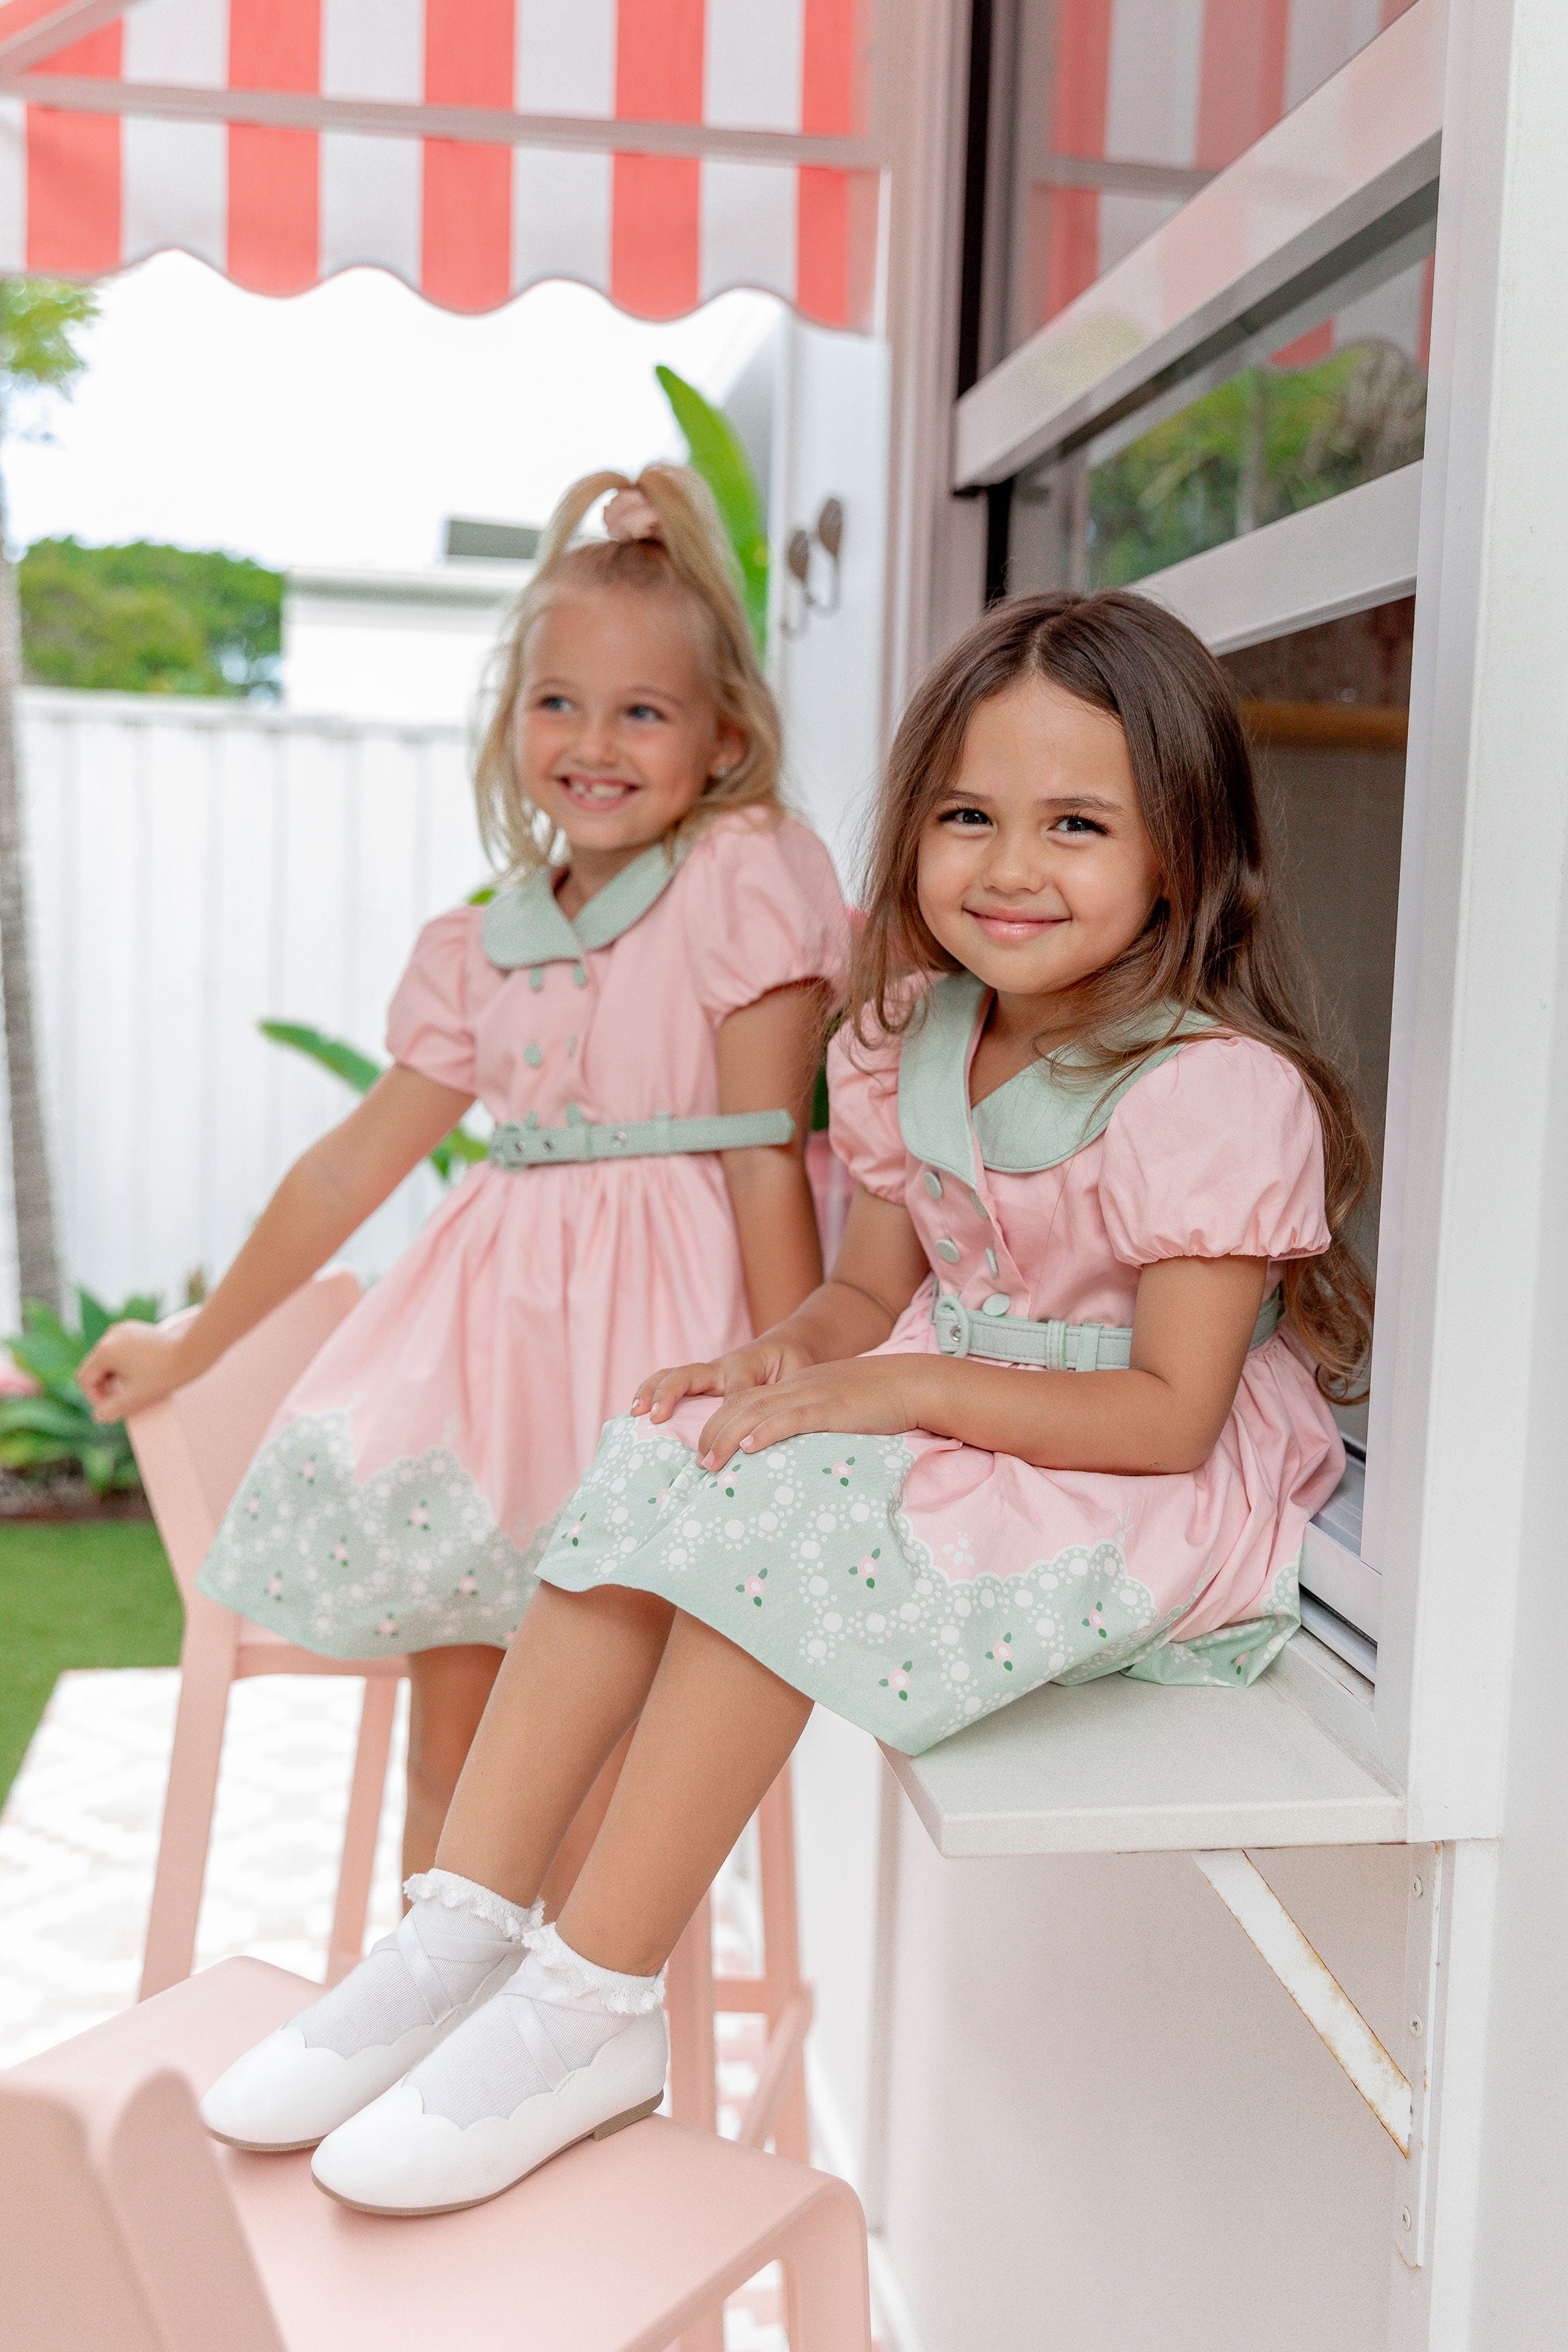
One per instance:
[(763, 909), (863, 1107), (1216, 1153), (428, 1027)]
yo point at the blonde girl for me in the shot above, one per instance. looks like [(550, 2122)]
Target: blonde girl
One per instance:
[(640, 1010), (1062, 1407)]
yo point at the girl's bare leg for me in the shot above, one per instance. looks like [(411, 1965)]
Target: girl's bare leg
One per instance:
[(447, 1692), (575, 1678), (715, 1728)]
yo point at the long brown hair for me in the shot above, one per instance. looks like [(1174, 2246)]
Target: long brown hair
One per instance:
[(1216, 942), (691, 557)]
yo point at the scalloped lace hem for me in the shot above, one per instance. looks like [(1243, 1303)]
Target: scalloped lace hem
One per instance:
[(568, 1972), (515, 1921)]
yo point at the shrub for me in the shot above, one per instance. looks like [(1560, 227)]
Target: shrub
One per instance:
[(54, 1429)]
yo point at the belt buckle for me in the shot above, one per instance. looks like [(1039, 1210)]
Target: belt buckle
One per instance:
[(952, 1325)]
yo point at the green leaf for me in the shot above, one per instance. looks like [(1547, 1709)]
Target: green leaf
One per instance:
[(95, 1317), (334, 1054), (357, 1070), (469, 1148), (22, 1451), (101, 1465), (717, 452), (44, 1416)]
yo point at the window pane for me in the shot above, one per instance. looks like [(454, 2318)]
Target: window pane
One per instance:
[(1269, 442), (1113, 111)]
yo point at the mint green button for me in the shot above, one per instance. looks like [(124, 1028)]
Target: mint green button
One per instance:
[(997, 1304), (991, 1261), (579, 975), (533, 1055), (933, 1183), (536, 978), (949, 1250)]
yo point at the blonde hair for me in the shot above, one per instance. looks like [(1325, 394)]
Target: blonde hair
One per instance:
[(691, 558)]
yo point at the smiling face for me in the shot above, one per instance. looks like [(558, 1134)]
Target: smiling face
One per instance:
[(1035, 869), (616, 729)]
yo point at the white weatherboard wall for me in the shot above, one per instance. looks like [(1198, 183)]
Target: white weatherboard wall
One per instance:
[(1109, 2129), (197, 867)]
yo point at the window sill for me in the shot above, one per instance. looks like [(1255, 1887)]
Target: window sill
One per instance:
[(1120, 1766)]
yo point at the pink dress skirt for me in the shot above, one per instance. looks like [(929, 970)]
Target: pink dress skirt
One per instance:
[(914, 1583), (409, 1481)]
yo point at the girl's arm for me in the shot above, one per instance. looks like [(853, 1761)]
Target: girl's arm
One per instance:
[(767, 1056), (1191, 1330), (878, 1268), (330, 1191)]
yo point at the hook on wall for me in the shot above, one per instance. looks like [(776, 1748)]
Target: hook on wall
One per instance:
[(827, 536)]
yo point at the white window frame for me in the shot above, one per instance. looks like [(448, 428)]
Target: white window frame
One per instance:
[(1447, 1486)]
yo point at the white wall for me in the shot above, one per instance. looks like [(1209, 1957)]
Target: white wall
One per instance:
[(401, 647), (197, 867), (829, 439), (1109, 2128)]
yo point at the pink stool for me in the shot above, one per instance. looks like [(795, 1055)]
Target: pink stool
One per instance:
[(123, 2225), (193, 1450)]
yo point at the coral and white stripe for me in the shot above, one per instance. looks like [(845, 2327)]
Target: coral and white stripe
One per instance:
[(1192, 83), (280, 203)]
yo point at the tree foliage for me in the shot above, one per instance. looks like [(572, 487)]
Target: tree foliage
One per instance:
[(149, 619), (40, 319), (1266, 444)]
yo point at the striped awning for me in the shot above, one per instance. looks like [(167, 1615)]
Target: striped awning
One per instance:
[(1148, 99), (658, 149)]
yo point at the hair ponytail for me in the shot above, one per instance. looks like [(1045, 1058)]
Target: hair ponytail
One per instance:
[(691, 558)]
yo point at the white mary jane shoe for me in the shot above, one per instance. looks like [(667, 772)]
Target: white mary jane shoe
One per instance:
[(394, 2158), (285, 2095)]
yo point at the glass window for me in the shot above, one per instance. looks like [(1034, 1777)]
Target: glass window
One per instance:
[(1273, 439), (1109, 113)]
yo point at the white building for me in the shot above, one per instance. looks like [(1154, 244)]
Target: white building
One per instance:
[(411, 647)]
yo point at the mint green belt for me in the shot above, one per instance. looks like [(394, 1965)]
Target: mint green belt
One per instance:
[(513, 1146), (1002, 1339)]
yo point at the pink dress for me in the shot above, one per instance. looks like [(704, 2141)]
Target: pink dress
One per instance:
[(914, 1583), (407, 1485)]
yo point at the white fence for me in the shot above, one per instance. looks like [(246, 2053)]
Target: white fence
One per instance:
[(197, 867)]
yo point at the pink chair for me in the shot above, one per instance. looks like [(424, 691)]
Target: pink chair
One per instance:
[(123, 2225), (193, 1450)]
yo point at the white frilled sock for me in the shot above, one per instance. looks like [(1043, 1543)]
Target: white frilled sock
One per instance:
[(547, 2020), (453, 1935)]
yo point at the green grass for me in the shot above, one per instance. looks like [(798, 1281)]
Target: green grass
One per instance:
[(98, 1594)]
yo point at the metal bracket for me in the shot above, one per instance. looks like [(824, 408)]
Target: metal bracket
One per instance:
[(1423, 1993), (1323, 2002)]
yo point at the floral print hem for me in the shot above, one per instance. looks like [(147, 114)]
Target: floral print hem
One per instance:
[(408, 1559), (804, 1556)]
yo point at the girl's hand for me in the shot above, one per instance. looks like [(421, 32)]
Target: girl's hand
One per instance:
[(133, 1366), (873, 1396), (765, 1361)]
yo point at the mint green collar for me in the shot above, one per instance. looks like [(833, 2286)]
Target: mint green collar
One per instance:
[(525, 924), (1037, 1119)]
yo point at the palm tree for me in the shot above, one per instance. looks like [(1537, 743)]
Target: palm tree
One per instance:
[(38, 320)]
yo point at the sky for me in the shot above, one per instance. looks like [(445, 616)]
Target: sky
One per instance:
[(344, 425)]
